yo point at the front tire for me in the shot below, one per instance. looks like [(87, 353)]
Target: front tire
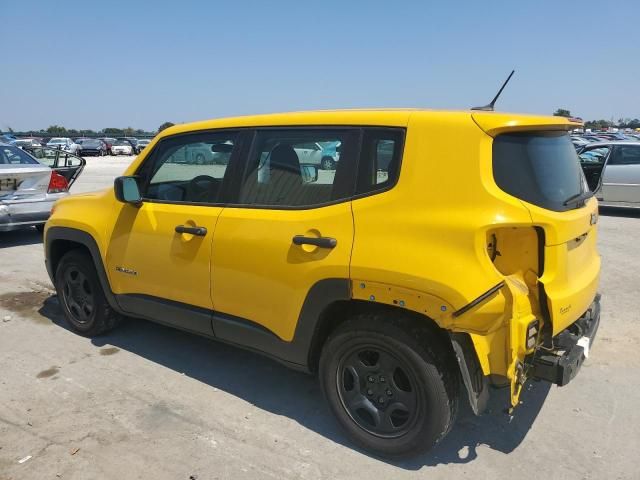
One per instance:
[(81, 296), (391, 386), (328, 163)]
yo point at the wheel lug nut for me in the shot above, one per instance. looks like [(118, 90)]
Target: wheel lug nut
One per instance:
[(369, 392), (382, 380), (381, 400), (371, 379), (389, 392)]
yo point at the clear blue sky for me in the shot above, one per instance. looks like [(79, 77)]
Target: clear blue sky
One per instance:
[(128, 63)]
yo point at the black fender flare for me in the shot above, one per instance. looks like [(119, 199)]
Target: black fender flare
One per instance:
[(74, 235)]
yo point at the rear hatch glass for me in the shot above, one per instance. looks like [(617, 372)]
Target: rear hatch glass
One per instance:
[(541, 168)]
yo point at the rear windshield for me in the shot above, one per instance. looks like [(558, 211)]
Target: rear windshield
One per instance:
[(10, 155), (541, 168)]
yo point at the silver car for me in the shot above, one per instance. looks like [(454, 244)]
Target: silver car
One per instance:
[(612, 170), (28, 188)]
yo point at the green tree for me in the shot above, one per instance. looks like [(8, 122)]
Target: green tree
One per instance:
[(112, 132), (165, 125), (56, 130), (562, 112)]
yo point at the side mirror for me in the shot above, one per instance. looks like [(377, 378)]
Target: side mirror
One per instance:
[(127, 191), (309, 172)]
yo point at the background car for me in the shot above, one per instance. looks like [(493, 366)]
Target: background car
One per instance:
[(108, 141), (142, 144), (27, 142), (7, 138), (121, 147), (29, 187), (92, 146), (63, 143), (325, 155), (612, 170), (131, 141)]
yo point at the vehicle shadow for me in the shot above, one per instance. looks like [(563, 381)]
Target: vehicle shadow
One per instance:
[(619, 212), (277, 389), (16, 238)]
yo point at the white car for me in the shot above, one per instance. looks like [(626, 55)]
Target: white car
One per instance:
[(325, 155), (121, 147), (63, 143)]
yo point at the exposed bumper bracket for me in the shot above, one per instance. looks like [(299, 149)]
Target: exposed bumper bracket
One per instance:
[(560, 364)]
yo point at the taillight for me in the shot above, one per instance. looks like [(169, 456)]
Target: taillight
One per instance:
[(58, 183)]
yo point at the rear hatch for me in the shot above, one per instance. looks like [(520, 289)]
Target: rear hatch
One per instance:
[(535, 161)]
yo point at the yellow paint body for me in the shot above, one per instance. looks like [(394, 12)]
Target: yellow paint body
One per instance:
[(422, 246)]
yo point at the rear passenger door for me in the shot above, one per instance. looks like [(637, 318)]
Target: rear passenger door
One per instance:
[(621, 179), (290, 227)]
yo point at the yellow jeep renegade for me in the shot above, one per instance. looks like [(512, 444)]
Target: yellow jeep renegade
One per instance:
[(411, 258)]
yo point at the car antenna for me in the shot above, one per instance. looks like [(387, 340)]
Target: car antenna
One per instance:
[(489, 107)]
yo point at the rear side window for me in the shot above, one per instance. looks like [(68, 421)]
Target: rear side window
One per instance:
[(541, 168), (300, 168), (380, 157)]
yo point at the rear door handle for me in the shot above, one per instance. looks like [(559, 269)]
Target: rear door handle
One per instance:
[(322, 242), (199, 231)]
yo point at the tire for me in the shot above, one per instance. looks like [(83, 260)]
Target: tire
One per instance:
[(396, 404), (327, 163), (81, 296)]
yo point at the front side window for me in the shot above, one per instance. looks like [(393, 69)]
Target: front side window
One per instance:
[(541, 168), (286, 168), (188, 168)]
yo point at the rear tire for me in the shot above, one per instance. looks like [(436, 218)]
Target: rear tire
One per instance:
[(391, 386), (81, 296)]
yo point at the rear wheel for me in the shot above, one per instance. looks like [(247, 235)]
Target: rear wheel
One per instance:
[(81, 296), (391, 392)]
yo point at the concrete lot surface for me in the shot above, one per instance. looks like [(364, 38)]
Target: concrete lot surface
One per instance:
[(150, 402)]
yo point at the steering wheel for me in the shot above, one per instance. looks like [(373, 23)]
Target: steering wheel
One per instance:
[(202, 188)]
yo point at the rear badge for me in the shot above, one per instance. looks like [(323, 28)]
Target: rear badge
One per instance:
[(128, 271)]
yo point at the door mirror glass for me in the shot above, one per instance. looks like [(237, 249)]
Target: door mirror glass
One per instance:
[(309, 173), (127, 191)]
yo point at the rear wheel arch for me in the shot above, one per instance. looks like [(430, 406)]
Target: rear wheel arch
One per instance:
[(339, 312)]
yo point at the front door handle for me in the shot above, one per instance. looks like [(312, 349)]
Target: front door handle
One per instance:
[(198, 231), (322, 242)]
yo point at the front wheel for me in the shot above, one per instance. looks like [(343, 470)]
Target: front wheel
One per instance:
[(81, 296), (387, 388), (328, 163)]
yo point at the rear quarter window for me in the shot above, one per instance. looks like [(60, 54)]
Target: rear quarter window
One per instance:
[(541, 168)]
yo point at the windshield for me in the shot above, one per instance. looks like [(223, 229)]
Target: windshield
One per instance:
[(541, 168)]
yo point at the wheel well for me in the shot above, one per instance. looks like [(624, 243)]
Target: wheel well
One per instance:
[(59, 247), (340, 311)]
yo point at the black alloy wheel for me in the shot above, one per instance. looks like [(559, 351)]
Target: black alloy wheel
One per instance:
[(378, 390)]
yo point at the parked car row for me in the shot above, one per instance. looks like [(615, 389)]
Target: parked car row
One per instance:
[(583, 139), (82, 146)]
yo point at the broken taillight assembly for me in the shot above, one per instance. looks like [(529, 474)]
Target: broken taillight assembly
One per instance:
[(57, 184)]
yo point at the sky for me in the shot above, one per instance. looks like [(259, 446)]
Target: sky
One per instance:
[(93, 65)]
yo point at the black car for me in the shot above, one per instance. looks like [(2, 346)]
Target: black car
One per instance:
[(91, 146)]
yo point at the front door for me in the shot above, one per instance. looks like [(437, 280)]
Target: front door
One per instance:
[(292, 227), (160, 252), (621, 178)]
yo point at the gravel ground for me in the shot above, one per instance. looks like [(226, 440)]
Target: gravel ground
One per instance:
[(150, 402)]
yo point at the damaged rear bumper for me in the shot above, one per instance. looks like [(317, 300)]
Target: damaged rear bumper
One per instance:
[(561, 363)]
